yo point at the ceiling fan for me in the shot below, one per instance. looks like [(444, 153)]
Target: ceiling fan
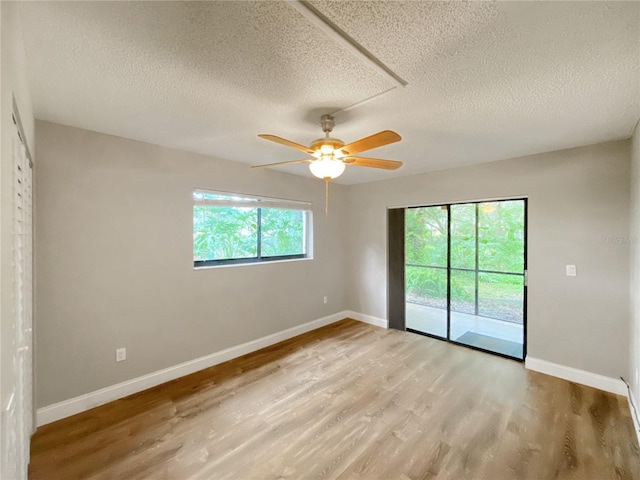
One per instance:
[(330, 155)]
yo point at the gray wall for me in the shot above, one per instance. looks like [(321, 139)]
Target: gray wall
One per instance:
[(115, 261), (578, 214), (634, 240)]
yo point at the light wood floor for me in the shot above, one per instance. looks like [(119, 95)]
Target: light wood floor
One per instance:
[(350, 401)]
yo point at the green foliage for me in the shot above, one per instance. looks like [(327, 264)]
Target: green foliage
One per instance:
[(427, 283), (463, 292), (426, 236), (221, 233), (463, 235), (224, 232), (501, 296), (501, 236), (282, 232)]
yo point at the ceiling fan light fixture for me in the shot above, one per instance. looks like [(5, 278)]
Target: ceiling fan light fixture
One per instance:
[(327, 167), (326, 149)]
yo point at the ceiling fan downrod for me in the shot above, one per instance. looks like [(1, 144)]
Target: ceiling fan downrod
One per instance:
[(327, 122)]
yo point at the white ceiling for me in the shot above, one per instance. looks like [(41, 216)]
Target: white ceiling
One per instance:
[(487, 81)]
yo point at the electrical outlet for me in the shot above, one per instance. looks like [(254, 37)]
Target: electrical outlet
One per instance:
[(326, 299), (121, 354), (571, 271)]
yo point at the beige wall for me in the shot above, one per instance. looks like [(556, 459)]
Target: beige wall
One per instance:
[(578, 199), (634, 240), (115, 262)]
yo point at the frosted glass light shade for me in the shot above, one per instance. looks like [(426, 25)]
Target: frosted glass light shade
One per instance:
[(326, 166)]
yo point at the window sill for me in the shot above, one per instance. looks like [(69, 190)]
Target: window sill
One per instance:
[(250, 264)]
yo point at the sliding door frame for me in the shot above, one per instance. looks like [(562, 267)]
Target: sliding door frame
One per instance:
[(448, 206)]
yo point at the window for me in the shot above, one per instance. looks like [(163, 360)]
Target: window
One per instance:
[(231, 228)]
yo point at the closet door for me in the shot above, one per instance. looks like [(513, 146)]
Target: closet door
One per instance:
[(18, 414)]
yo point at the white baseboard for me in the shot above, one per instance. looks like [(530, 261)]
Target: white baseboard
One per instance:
[(608, 384), (634, 416), (361, 317), (66, 408)]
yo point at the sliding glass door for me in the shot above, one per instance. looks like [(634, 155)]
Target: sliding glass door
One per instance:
[(465, 270)]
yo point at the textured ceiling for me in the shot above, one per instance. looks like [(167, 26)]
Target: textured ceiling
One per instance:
[(487, 81)]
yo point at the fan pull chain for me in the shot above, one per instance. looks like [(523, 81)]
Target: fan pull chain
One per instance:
[(326, 198)]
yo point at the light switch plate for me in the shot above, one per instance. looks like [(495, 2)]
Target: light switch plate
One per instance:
[(121, 354), (571, 271)]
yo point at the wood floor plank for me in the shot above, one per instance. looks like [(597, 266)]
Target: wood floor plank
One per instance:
[(350, 401)]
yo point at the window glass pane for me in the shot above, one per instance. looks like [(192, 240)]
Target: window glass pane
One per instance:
[(426, 297), (501, 236), (426, 236), (221, 233), (501, 297), (463, 236), (426, 286), (282, 232), (463, 291)]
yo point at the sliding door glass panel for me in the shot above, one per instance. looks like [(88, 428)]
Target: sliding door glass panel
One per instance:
[(426, 270), (501, 312), (426, 309), (501, 297), (426, 236), (497, 322), (463, 294), (463, 236), (501, 236), (463, 289)]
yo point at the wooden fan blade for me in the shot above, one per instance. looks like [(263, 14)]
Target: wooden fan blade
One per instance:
[(374, 141), (282, 163), (372, 162), (287, 143)]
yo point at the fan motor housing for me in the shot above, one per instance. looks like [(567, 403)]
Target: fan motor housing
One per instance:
[(333, 142)]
